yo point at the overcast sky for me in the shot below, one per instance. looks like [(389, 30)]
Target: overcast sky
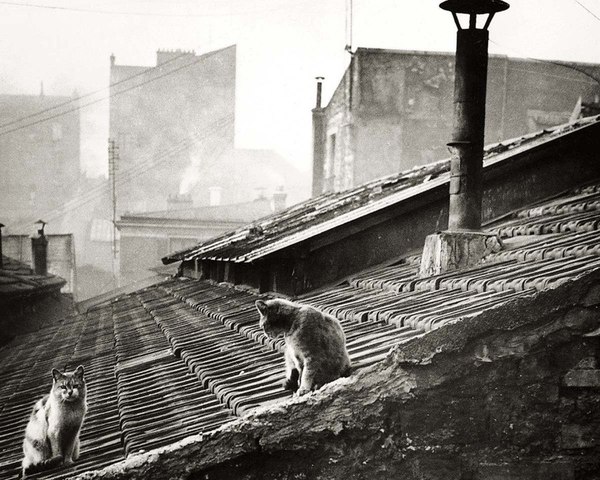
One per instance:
[(282, 46)]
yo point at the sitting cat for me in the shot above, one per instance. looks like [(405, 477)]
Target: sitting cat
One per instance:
[(315, 344), (52, 434)]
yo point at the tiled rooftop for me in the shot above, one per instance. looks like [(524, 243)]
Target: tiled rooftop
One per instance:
[(186, 356), (18, 279), (326, 212)]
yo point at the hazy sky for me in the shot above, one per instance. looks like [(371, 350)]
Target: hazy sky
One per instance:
[(282, 46)]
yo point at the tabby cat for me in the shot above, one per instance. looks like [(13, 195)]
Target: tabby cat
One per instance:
[(315, 344), (52, 434)]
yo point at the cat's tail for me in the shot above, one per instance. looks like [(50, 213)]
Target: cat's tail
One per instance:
[(43, 465)]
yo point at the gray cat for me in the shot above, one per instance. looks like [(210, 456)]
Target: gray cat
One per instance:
[(52, 434), (315, 344)]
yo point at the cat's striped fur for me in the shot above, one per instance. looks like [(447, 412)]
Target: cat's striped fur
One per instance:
[(52, 434)]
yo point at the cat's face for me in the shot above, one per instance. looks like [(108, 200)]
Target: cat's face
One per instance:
[(274, 318), (68, 387)]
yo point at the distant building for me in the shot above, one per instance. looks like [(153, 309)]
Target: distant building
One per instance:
[(241, 175), (394, 109), (168, 117), (146, 237), (174, 128), (31, 296), (39, 159), (60, 259)]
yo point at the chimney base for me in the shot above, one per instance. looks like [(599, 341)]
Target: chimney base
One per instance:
[(453, 250)]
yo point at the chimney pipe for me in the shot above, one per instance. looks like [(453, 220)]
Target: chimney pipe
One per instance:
[(466, 147), (39, 250), (319, 90), (318, 124)]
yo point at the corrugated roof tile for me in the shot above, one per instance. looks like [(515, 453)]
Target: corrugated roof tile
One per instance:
[(187, 356)]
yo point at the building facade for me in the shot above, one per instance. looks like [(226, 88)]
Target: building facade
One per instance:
[(146, 237), (39, 159), (393, 110), (168, 118)]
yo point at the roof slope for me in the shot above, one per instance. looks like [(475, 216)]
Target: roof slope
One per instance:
[(18, 279), (329, 211), (235, 212), (186, 356)]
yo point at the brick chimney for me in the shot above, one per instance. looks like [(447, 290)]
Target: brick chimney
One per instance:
[(39, 250)]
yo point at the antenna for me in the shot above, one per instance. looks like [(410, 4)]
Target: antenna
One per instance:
[(349, 9)]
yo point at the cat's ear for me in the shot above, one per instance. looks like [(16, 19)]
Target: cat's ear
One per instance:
[(262, 307), (79, 371), (56, 374)]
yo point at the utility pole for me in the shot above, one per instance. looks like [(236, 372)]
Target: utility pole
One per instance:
[(113, 157)]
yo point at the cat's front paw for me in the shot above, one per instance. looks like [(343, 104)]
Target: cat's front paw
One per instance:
[(68, 462), (302, 391)]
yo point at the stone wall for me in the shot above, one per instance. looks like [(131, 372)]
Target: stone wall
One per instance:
[(513, 393)]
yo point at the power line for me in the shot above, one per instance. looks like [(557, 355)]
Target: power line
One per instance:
[(587, 9), (130, 174), (40, 112), (552, 62), (151, 14), (135, 171), (79, 107)]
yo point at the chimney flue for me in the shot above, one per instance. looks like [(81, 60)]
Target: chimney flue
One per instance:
[(319, 90), (318, 138), (39, 250)]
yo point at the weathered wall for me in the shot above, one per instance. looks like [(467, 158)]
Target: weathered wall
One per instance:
[(174, 115), (402, 110), (40, 163), (513, 393), (338, 165)]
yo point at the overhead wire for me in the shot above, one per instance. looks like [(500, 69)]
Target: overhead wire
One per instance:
[(119, 92), (135, 171), (89, 94), (153, 14), (587, 10), (567, 65)]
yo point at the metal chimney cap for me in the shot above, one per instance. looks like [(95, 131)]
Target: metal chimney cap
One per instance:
[(474, 7)]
